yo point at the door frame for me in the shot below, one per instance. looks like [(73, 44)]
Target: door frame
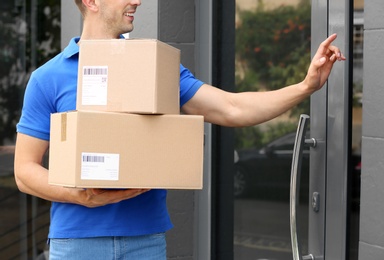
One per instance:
[(330, 126)]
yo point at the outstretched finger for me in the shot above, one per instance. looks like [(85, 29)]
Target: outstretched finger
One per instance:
[(327, 42), (326, 49)]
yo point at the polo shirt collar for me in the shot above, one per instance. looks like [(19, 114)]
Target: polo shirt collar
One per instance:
[(72, 48)]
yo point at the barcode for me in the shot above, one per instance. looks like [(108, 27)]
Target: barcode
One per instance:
[(95, 71), (89, 158)]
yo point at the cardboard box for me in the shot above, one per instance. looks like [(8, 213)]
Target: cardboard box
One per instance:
[(138, 75), (122, 150)]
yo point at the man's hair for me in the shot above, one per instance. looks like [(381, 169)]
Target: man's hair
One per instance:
[(81, 7)]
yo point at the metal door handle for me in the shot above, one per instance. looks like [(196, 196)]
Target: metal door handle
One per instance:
[(295, 184)]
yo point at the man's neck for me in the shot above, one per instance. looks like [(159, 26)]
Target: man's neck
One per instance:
[(94, 31)]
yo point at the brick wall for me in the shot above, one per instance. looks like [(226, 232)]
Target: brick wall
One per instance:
[(371, 246)]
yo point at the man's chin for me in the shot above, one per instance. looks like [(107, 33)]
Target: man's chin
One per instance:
[(128, 30)]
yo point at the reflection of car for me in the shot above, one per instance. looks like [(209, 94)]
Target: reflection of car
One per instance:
[(265, 173)]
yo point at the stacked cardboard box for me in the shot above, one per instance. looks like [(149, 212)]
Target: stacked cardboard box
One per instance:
[(136, 76), (127, 131)]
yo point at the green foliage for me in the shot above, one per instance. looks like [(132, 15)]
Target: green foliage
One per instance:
[(247, 83), (272, 51), (248, 137), (272, 40), (277, 130)]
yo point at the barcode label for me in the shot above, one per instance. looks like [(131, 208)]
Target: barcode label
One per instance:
[(100, 166), (88, 158), (95, 71), (94, 87)]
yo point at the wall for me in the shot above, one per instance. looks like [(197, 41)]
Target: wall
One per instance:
[(177, 28), (371, 246)]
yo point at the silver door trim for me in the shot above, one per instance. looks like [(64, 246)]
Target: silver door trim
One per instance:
[(317, 173), (329, 125), (338, 135)]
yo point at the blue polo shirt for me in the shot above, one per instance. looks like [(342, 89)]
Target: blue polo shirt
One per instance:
[(52, 88)]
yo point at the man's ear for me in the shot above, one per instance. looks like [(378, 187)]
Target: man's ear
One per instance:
[(91, 5)]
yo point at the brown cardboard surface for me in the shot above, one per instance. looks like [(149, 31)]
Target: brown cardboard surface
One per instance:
[(137, 75), (121, 150)]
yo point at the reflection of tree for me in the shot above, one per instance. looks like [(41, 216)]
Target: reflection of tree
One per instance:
[(48, 30), (12, 73), (272, 51), (22, 48)]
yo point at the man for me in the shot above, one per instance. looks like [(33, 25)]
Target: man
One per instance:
[(109, 224)]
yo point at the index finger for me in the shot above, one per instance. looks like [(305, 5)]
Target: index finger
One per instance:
[(329, 40), (326, 48)]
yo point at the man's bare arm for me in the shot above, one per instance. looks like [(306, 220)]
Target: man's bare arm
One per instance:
[(251, 108), (32, 178)]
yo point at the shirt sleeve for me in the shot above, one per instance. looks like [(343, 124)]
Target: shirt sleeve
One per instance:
[(189, 85), (36, 112)]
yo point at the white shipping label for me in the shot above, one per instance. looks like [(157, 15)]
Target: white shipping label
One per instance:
[(100, 166), (95, 86)]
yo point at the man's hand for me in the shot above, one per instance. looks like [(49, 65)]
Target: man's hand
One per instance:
[(322, 64), (99, 197)]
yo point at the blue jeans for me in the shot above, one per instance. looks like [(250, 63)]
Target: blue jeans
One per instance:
[(148, 247)]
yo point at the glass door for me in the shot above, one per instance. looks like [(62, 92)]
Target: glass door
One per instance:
[(273, 43), (29, 36), (328, 201)]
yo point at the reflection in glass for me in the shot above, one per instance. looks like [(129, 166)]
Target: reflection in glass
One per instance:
[(272, 51), (29, 36)]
